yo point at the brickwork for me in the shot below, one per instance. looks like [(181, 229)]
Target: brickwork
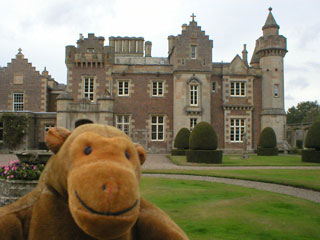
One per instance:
[(189, 87)]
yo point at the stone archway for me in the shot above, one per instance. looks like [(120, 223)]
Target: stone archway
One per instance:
[(81, 122)]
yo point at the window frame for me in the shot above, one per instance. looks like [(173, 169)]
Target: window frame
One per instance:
[(16, 105), (193, 123), (193, 53), (237, 129), (90, 81), (157, 130), (157, 89), (194, 95), (276, 92), (124, 89), (214, 87), (123, 125), (238, 91)]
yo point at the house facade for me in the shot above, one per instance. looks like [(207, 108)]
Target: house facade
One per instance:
[(152, 98)]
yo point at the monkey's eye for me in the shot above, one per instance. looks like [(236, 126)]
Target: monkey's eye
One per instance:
[(87, 150), (127, 155)]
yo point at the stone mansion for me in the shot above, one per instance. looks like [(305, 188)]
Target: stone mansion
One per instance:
[(151, 98)]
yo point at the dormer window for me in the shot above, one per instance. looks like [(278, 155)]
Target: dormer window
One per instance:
[(90, 50), (193, 51)]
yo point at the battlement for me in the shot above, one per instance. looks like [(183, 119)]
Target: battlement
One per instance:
[(89, 53)]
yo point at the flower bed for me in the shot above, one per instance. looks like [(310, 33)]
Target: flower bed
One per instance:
[(17, 179)]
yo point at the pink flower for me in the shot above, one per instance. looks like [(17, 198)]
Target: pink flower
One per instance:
[(12, 176), (7, 177), (34, 167)]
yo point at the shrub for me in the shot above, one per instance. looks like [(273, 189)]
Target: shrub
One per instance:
[(267, 151), (14, 128), (204, 156), (182, 139), (268, 138), (203, 137), (21, 171), (310, 155), (178, 152), (313, 137)]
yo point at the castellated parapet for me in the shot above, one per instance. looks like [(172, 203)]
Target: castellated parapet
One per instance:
[(89, 53)]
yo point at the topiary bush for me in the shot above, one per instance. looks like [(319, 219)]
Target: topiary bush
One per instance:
[(203, 137), (312, 142), (268, 138), (313, 137), (203, 144), (181, 142), (267, 143), (182, 139)]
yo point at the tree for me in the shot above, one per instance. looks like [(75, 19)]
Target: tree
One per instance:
[(308, 111)]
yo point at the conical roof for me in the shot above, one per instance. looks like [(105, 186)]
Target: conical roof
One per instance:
[(270, 22)]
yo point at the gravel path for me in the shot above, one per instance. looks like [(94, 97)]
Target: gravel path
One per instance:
[(159, 161), (292, 191)]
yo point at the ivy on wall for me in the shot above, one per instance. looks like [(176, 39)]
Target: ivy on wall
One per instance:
[(14, 128)]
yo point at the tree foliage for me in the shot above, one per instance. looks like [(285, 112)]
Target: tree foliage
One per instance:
[(308, 111), (14, 128)]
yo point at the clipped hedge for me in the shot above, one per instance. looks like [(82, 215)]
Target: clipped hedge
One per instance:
[(267, 151), (182, 139), (268, 138), (203, 137), (310, 155), (204, 156), (313, 137), (267, 143), (178, 152)]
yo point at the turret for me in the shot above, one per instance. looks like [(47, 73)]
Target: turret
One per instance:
[(270, 51)]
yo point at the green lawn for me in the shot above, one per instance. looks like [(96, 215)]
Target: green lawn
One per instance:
[(219, 211), (253, 160), (302, 178)]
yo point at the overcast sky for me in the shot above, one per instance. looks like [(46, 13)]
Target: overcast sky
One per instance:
[(43, 28)]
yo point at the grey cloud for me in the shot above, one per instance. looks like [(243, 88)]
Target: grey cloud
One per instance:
[(297, 83)]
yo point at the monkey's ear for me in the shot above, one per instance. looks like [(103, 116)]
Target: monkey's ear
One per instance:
[(55, 138), (141, 152)]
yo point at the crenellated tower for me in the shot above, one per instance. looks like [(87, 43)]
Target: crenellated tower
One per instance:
[(268, 55)]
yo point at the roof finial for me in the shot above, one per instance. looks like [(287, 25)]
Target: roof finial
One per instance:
[(19, 50), (193, 16), (270, 9)]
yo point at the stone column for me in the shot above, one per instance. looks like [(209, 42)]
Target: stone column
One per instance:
[(126, 45), (140, 46), (111, 41), (148, 46), (119, 46)]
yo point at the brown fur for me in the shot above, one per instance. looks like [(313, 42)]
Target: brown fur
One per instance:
[(89, 189)]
